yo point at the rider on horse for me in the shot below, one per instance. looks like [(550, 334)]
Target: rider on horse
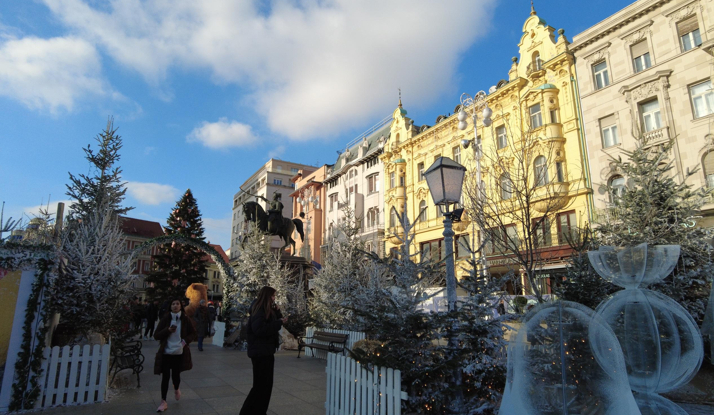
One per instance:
[(275, 211)]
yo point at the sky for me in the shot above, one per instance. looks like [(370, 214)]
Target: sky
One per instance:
[(203, 93)]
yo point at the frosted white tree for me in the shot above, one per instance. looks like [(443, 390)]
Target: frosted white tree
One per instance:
[(255, 267), (94, 280)]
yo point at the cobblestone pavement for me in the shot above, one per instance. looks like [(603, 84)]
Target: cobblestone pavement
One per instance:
[(218, 384)]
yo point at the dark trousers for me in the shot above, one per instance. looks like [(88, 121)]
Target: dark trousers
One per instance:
[(258, 400), (150, 328), (170, 367), (200, 343)]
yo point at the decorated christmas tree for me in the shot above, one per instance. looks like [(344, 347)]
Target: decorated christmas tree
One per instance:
[(178, 265)]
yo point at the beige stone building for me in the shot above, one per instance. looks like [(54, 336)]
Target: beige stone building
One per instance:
[(309, 206), (647, 70), (214, 282), (273, 176), (136, 232)]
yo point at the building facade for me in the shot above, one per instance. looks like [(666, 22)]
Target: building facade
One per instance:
[(136, 232), (646, 72), (214, 281), (355, 181), (534, 111), (273, 177), (309, 206)]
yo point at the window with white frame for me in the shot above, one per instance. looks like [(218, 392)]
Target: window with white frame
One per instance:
[(501, 139), (373, 183), (541, 171), (567, 227), (617, 188), (608, 130), (537, 62), (541, 228), (506, 186), (601, 74), (278, 181), (651, 118), (456, 152), (420, 167), (554, 116), (333, 201), (708, 164), (641, 56), (294, 170), (392, 180), (536, 118), (393, 220), (423, 212), (702, 98), (689, 35), (279, 168)]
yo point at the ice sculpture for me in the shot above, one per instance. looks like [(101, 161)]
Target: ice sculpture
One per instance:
[(661, 343), (552, 368)]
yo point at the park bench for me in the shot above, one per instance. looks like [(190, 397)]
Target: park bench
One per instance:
[(335, 342), (127, 356)]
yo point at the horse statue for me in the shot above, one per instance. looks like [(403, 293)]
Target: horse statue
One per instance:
[(252, 211)]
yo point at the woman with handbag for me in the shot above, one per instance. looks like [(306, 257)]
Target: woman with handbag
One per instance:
[(263, 327), (174, 332)]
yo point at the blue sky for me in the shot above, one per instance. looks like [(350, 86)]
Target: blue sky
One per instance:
[(205, 92)]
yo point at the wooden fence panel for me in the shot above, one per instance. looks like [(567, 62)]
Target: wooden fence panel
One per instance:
[(74, 376), (353, 390)]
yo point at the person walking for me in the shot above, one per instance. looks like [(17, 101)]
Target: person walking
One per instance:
[(211, 318), (174, 332), (152, 313), (263, 327), (203, 324)]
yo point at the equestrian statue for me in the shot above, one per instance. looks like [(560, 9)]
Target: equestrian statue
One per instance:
[(273, 222)]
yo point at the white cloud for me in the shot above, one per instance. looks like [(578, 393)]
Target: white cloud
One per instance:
[(152, 193), (218, 231), (314, 68), (222, 134), (50, 74)]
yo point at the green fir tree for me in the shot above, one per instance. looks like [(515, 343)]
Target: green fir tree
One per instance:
[(178, 265), (104, 186)]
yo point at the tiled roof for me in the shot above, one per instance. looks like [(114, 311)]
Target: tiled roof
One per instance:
[(141, 228), (220, 251)]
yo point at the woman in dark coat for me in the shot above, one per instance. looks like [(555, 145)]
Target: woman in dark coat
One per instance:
[(202, 323), (174, 332), (263, 327)]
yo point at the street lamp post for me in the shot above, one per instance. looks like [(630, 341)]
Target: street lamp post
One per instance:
[(445, 179), (474, 105)]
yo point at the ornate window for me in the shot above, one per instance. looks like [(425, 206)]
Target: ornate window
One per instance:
[(601, 75), (640, 56), (501, 138), (456, 152), (689, 35), (617, 188), (423, 212), (708, 164), (506, 186), (702, 98), (541, 171), (536, 118), (420, 167), (651, 118)]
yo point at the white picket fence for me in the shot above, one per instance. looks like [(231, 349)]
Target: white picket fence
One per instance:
[(354, 390), (354, 337), (74, 376)]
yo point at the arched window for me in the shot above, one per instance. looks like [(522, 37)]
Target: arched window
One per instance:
[(708, 168), (617, 187), (537, 63), (541, 171), (506, 186), (423, 215)]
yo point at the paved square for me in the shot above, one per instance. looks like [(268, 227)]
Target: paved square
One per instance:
[(218, 383)]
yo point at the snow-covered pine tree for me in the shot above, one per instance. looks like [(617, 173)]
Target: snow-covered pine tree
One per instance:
[(344, 270), (179, 265), (659, 207), (104, 186), (255, 266), (94, 282)]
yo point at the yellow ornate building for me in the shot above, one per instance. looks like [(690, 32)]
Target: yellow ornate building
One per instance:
[(536, 134)]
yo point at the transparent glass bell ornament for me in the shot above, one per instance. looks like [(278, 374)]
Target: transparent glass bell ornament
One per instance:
[(552, 368), (660, 340)]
